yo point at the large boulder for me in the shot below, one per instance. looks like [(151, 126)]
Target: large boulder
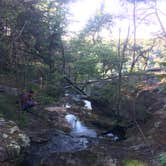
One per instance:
[(13, 143)]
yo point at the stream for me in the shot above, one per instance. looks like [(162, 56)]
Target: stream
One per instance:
[(78, 129), (79, 138)]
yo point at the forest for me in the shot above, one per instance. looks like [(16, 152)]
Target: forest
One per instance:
[(67, 96)]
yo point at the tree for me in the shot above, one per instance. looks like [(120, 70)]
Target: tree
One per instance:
[(96, 24), (31, 37), (121, 55)]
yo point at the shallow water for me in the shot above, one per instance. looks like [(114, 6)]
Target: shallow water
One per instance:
[(78, 128), (80, 138), (61, 143)]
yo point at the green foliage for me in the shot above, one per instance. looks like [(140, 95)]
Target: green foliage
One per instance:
[(162, 158), (51, 92), (10, 110), (31, 46), (43, 98), (134, 163), (32, 86), (88, 60), (30, 38), (97, 23), (54, 84), (48, 94), (86, 67), (164, 88), (106, 93), (1, 114)]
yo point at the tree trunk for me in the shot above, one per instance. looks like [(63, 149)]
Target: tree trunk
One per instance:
[(135, 31), (121, 57)]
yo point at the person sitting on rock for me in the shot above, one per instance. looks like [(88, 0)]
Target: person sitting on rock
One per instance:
[(27, 100)]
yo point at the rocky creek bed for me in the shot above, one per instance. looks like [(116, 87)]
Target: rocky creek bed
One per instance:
[(60, 136), (57, 144), (61, 145)]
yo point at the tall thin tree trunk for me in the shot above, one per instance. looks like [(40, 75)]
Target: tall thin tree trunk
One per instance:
[(134, 37), (118, 98), (121, 58)]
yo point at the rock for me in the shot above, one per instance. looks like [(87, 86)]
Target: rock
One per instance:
[(157, 124), (2, 120), (39, 137), (3, 154), (110, 162), (81, 158), (13, 129), (139, 146), (12, 142), (23, 140), (4, 135), (13, 150), (55, 109)]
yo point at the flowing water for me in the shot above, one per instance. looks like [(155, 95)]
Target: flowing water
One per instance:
[(78, 139), (78, 128), (87, 105)]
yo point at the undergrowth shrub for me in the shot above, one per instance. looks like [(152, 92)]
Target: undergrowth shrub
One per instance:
[(162, 158)]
